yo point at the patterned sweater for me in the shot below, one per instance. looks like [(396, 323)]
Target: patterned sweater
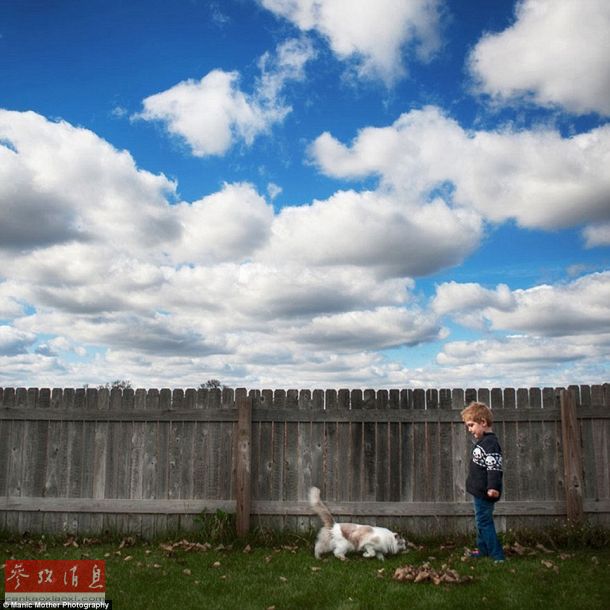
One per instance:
[(485, 469)]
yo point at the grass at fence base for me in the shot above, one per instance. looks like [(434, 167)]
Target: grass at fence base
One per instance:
[(165, 574)]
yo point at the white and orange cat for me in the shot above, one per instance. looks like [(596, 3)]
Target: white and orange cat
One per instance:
[(342, 538)]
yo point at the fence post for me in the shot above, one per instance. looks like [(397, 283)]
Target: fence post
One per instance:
[(243, 466), (572, 456)]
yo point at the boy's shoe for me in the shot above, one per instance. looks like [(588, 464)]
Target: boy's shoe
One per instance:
[(476, 554)]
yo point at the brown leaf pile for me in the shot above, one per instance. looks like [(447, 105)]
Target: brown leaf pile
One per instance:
[(425, 573), (185, 545)]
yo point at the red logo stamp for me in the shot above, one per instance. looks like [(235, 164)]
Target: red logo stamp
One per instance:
[(33, 579)]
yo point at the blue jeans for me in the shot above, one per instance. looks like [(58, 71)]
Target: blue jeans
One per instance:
[(487, 539)]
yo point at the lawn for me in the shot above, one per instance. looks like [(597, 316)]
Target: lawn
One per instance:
[(189, 573)]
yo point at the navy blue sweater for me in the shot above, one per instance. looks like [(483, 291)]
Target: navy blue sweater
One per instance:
[(485, 469)]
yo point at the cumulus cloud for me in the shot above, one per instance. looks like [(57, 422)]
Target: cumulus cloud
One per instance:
[(394, 234), (453, 296), (597, 235), (373, 35), (381, 328), (14, 341), (557, 53), (497, 173), (576, 308), (228, 225), (225, 287), (579, 307), (75, 185), (212, 113), (512, 350)]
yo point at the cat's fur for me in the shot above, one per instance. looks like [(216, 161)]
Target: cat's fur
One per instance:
[(342, 538)]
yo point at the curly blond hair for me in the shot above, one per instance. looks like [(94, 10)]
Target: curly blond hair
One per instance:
[(479, 412)]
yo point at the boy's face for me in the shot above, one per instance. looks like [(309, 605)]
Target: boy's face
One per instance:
[(477, 429)]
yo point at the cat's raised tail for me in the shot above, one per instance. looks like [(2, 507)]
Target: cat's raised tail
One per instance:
[(320, 508)]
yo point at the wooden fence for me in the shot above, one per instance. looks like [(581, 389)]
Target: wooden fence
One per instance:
[(150, 461)]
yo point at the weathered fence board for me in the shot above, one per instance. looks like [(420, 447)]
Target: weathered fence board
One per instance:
[(148, 461)]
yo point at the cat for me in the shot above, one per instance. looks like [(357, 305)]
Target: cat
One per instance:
[(342, 538)]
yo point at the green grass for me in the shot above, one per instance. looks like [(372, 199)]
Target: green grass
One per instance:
[(281, 572)]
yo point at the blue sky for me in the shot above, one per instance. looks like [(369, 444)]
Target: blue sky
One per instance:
[(305, 193)]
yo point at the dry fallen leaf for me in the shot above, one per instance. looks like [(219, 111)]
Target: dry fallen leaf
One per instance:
[(283, 579), (71, 541), (247, 549), (550, 565), (216, 564), (186, 571), (425, 573), (315, 568), (129, 541)]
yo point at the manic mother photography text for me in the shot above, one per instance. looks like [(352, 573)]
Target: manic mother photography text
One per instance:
[(67, 605)]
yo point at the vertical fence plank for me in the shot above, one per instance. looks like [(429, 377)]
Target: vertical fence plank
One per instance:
[(572, 456), (291, 481), (14, 455), (524, 462), (165, 405), (394, 471), (369, 481), (433, 449), (590, 430), (304, 452), (354, 400), (32, 474), (510, 449), (53, 522), (445, 486), (5, 429), (460, 446), (229, 432), (407, 451), (243, 466), (279, 436), (382, 442), (536, 444), (262, 449), (422, 475)]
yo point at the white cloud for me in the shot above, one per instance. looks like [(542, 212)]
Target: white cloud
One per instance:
[(209, 114), (394, 234), (579, 307), (75, 185), (381, 328), (597, 235), (557, 53), (372, 34), (453, 296), (512, 350), (213, 113), (539, 178), (224, 287), (13, 341), (228, 225)]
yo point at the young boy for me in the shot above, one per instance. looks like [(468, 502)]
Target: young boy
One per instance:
[(484, 480)]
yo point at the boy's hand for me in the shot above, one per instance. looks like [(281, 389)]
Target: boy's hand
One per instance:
[(493, 493)]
